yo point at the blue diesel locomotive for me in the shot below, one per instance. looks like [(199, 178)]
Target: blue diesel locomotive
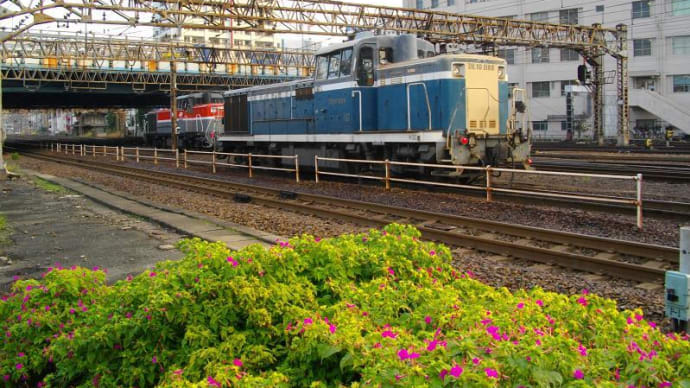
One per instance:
[(384, 97)]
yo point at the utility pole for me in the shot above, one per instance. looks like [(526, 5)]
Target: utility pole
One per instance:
[(3, 169), (173, 104)]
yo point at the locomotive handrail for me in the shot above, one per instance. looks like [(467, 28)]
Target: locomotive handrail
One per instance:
[(488, 186)]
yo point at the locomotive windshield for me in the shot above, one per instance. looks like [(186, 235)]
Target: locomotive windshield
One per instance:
[(334, 65)]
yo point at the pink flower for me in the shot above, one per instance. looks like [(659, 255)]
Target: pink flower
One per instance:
[(432, 346), (456, 371), (154, 360), (350, 305), (332, 328), (441, 375), (19, 366), (585, 291), (72, 311), (581, 300), (491, 373), (432, 252), (520, 306), (178, 372), (652, 324), (308, 321), (391, 271), (152, 274), (232, 261), (129, 278), (47, 308), (665, 384), (388, 334), (427, 319), (212, 382), (582, 350), (413, 355), (539, 303), (20, 354), (237, 362), (476, 361), (402, 353), (578, 374)]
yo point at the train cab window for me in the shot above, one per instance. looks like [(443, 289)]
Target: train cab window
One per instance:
[(346, 63), (334, 65), (365, 66), (321, 67)]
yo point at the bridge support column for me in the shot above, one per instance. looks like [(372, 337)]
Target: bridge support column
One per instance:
[(173, 104)]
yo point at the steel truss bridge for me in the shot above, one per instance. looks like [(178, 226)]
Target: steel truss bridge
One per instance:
[(86, 63)]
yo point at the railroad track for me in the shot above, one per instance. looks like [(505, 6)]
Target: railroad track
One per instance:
[(678, 174), (616, 258)]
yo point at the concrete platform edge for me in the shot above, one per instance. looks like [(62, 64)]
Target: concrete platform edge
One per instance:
[(79, 187)]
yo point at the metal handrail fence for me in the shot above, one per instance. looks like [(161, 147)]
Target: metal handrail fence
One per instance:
[(489, 187), (250, 166)]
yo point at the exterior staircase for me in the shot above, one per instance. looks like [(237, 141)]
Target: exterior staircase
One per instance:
[(662, 107)]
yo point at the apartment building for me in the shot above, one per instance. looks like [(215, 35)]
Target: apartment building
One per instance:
[(659, 67)]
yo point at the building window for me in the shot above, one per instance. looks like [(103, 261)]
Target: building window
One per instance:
[(568, 16), (539, 17), (450, 2), (640, 9), (564, 125), (642, 47), (541, 89), (681, 83), (434, 3), (566, 83), (681, 7), (599, 8), (540, 125), (508, 55), (569, 55), (540, 55), (681, 45), (420, 4)]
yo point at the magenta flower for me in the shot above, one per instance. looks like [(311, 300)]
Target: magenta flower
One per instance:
[(19, 366), (413, 355), (237, 362), (232, 261), (578, 374), (665, 384), (476, 361), (152, 274), (585, 291), (402, 353), (154, 360), (389, 334), (442, 375), (432, 346), (391, 271), (581, 300), (540, 303), (178, 372), (520, 306), (212, 382), (652, 324), (308, 321), (47, 308), (427, 319), (456, 371), (332, 328), (72, 311), (582, 350), (20, 354), (491, 373)]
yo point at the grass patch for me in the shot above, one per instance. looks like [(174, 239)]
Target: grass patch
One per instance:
[(49, 186), (5, 231)]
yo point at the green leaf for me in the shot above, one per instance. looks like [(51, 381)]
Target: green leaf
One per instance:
[(327, 350), (547, 378), (346, 361)]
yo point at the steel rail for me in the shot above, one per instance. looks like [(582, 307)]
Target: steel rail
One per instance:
[(330, 207)]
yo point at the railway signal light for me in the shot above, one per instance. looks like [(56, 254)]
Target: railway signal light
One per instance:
[(464, 141)]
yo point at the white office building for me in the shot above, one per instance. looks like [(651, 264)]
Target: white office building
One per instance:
[(659, 67)]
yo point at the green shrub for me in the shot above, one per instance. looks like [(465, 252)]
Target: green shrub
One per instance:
[(375, 309), (15, 156)]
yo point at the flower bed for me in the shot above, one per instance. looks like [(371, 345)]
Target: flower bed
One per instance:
[(376, 309)]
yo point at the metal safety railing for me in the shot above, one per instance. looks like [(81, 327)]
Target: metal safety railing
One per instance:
[(489, 187), (180, 158), (250, 158)]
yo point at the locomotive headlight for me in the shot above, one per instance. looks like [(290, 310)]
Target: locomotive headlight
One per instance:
[(458, 70), (501, 72)]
